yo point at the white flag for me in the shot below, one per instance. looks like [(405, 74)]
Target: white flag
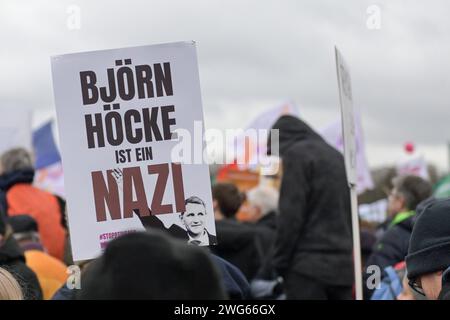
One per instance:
[(333, 135)]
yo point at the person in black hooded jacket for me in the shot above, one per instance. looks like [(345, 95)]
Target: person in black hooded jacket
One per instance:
[(313, 246), (13, 260)]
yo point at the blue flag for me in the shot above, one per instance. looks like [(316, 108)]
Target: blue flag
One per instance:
[(44, 146)]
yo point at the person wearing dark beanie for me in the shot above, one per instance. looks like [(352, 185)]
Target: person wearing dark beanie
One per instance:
[(428, 258), (151, 265)]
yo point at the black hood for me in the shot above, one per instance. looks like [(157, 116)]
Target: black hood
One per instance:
[(291, 130), (9, 179)]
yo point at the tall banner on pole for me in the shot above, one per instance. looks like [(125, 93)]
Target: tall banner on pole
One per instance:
[(349, 134), (119, 117), (333, 134)]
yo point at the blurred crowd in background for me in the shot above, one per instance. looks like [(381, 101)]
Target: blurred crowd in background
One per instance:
[(282, 236)]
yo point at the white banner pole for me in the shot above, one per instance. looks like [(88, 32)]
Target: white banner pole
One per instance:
[(350, 151), (356, 243)]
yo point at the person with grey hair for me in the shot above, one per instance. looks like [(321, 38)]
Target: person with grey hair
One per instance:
[(19, 196), (408, 196), (15, 160), (262, 205)]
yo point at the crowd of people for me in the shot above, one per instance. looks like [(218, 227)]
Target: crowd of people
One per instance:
[(296, 242)]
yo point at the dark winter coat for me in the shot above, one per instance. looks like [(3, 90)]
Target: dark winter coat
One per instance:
[(19, 196), (269, 221), (237, 243), (265, 229), (234, 282), (392, 248), (13, 260), (314, 236)]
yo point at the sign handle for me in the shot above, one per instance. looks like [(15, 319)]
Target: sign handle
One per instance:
[(356, 243)]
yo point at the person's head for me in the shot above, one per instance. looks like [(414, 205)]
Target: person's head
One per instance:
[(194, 218), (25, 230), (428, 255), (151, 265), (290, 130), (227, 200), (407, 192), (261, 200), (15, 160), (9, 287)]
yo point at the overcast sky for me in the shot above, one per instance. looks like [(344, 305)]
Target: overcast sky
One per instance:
[(256, 54)]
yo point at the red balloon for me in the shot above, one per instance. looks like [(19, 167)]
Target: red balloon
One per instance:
[(409, 147)]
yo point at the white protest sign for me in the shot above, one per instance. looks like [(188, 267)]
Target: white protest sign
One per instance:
[(413, 165), (333, 134), (348, 119), (350, 151), (118, 111)]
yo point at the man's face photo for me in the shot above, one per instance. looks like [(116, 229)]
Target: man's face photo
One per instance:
[(194, 218)]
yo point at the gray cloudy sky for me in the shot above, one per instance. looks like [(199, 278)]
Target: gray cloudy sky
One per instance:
[(255, 54)]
